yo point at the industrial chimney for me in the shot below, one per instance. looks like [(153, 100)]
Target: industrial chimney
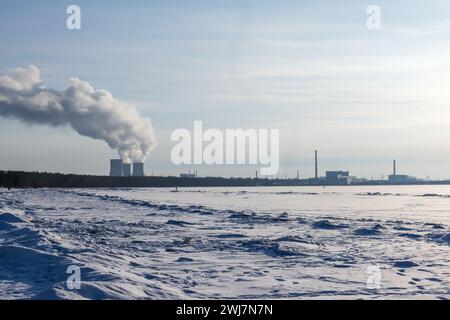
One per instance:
[(115, 168), (138, 169), (126, 169), (394, 167), (315, 165)]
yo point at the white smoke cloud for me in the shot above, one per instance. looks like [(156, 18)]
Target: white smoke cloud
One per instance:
[(91, 112)]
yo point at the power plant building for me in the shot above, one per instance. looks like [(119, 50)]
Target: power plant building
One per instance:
[(399, 178), (337, 177)]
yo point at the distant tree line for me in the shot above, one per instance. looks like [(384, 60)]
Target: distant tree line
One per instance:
[(21, 179)]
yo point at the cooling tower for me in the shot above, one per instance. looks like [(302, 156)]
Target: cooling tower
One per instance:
[(138, 169), (126, 169), (115, 168)]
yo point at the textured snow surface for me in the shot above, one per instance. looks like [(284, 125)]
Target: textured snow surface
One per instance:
[(242, 243)]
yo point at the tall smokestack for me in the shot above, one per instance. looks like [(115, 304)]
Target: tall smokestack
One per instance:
[(316, 168), (138, 169), (126, 169), (115, 168), (394, 167)]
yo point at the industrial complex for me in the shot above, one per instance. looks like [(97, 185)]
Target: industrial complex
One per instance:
[(119, 168), (125, 174)]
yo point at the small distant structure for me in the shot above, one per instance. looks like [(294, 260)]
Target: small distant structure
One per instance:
[(356, 180), (337, 177), (342, 178), (116, 168), (187, 175), (138, 169), (399, 178)]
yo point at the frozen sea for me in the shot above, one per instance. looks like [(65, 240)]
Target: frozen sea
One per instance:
[(374, 242)]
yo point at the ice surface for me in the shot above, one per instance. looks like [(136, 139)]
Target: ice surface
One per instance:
[(253, 243)]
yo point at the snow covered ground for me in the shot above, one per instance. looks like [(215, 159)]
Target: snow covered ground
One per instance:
[(244, 243)]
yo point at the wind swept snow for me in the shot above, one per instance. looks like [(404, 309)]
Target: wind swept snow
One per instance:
[(223, 243)]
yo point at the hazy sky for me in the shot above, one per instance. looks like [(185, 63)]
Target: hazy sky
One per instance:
[(310, 68)]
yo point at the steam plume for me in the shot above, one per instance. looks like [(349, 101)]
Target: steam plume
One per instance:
[(93, 113)]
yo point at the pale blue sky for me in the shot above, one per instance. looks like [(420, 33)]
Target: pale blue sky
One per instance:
[(310, 68)]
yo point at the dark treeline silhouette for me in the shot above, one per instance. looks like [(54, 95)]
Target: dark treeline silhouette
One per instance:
[(22, 179)]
